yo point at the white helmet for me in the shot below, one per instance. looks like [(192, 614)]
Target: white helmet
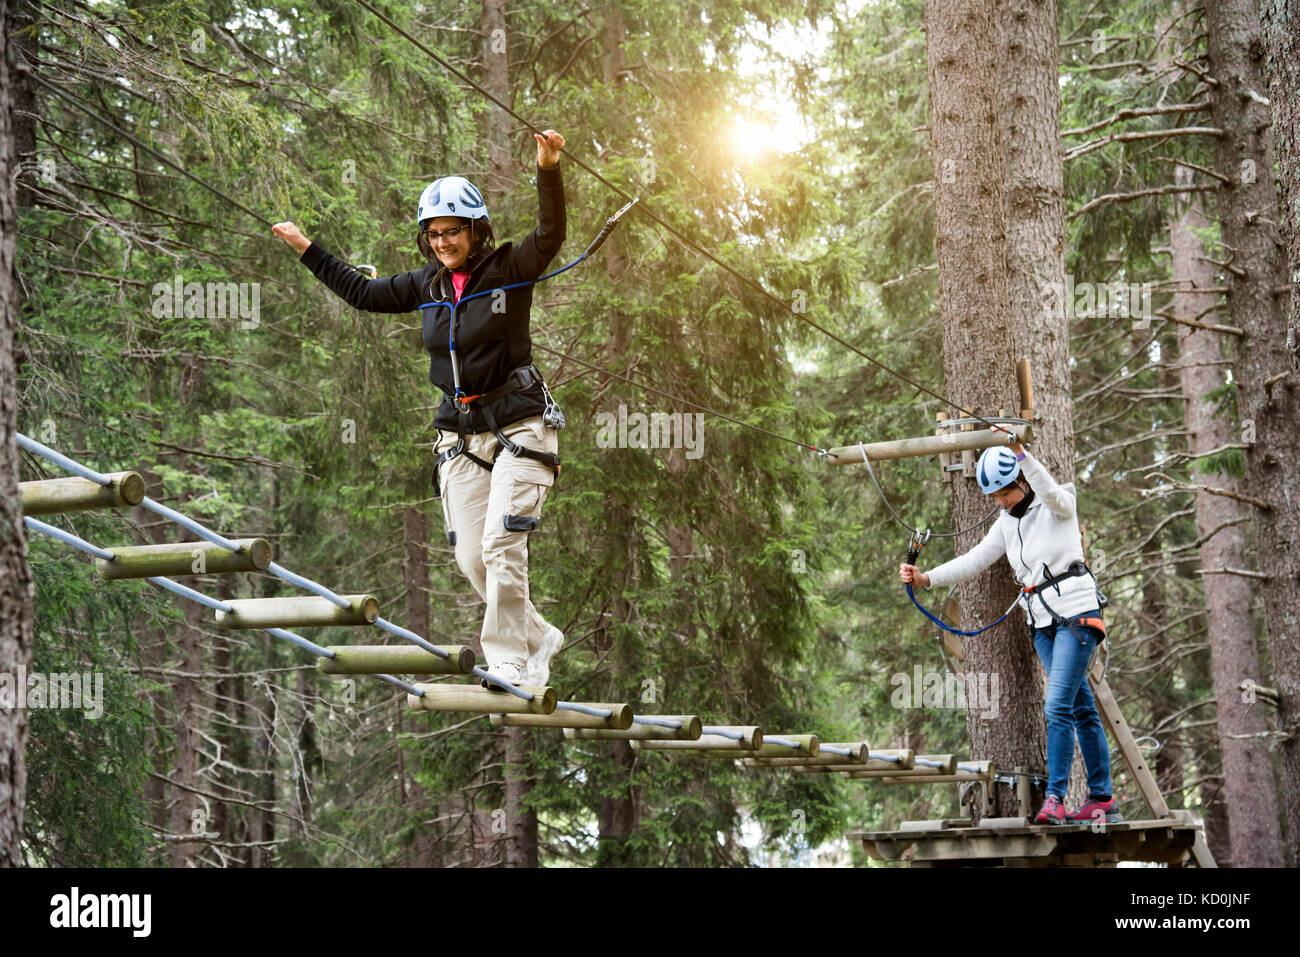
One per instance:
[(997, 468), (451, 196)]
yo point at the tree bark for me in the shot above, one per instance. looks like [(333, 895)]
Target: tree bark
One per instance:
[(1029, 119), (16, 623), (1266, 378), (1249, 789), (617, 817), (970, 217), (1281, 33)]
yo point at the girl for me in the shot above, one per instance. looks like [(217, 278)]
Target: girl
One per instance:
[(1038, 532), (496, 425)]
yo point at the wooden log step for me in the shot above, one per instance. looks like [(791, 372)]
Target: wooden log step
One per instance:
[(298, 611), (809, 748), (947, 767), (957, 777), (185, 558), (857, 757), (982, 438), (396, 660), (904, 763), (472, 698), (620, 718), (689, 731), (76, 494), (751, 740)]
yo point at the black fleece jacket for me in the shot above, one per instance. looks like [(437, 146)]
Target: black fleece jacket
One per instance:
[(489, 344)]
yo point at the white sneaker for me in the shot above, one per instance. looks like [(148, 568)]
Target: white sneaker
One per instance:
[(539, 665), (507, 671)]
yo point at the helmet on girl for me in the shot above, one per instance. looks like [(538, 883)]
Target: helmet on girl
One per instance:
[(996, 469), (451, 196)]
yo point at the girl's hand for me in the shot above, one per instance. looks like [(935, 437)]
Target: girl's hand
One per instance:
[(911, 575), (549, 145), (292, 235)]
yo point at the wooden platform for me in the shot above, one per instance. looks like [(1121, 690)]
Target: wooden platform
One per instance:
[(1010, 842)]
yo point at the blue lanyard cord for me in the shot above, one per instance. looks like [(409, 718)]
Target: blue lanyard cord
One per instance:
[(956, 631)]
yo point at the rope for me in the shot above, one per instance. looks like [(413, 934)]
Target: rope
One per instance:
[(898, 518), (957, 631), (152, 152)]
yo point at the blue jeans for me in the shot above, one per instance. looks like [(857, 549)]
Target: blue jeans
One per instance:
[(1069, 707)]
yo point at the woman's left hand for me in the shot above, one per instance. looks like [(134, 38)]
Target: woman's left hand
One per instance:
[(549, 145)]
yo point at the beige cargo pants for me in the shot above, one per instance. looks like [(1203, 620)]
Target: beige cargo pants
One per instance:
[(484, 512)]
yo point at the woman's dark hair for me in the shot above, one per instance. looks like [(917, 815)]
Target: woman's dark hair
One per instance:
[(482, 244)]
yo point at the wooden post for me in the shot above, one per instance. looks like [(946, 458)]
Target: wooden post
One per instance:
[(689, 731), (944, 457), (620, 718), (76, 494), (809, 748), (481, 700), (297, 612), (1026, 388), (396, 660), (751, 740), (185, 558), (968, 455), (968, 439)]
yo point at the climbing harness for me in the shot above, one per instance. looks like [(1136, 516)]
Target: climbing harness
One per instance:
[(521, 378), (1076, 570)]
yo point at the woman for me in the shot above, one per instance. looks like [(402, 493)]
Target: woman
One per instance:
[(1038, 532), (496, 448)]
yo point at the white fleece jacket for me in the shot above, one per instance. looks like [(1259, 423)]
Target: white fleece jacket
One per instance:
[(1047, 534)]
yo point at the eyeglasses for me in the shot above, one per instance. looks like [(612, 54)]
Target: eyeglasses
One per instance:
[(451, 233)]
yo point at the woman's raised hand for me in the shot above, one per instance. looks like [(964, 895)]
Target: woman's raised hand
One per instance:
[(549, 145), (292, 235)]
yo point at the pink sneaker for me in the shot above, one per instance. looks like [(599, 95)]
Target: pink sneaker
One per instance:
[(1053, 811), (1094, 810)]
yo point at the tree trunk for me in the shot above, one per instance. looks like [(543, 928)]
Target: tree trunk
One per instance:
[(617, 817), (970, 217), (1029, 118), (1281, 33), (1249, 789), (496, 76), (1266, 378), (16, 626)]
